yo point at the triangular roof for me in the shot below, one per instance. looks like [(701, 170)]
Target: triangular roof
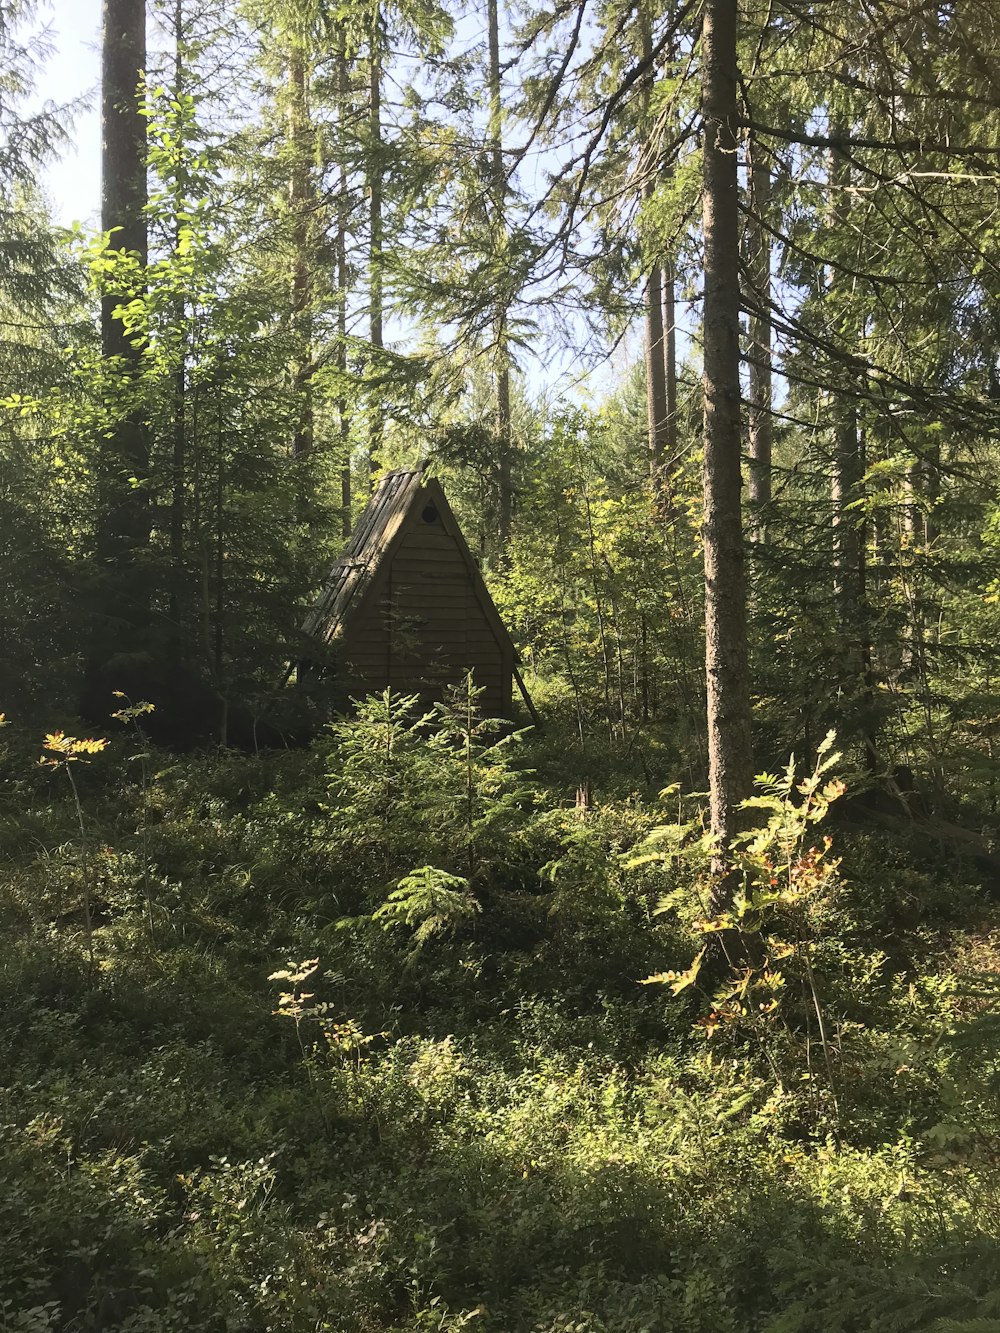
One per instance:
[(373, 544)]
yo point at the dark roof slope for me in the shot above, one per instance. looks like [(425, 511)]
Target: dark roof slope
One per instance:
[(362, 555), (372, 542)]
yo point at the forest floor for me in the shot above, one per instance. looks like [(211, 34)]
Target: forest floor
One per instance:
[(457, 1107)]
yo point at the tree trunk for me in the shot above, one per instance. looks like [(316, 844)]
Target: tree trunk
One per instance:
[(501, 354), (122, 520), (300, 202), (505, 485), (657, 411), (340, 248), (178, 493), (376, 233), (759, 274), (668, 292), (668, 287), (850, 573), (847, 471), (727, 677), (845, 480), (123, 153), (125, 516)]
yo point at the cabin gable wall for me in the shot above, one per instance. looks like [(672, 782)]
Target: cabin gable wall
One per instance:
[(422, 624)]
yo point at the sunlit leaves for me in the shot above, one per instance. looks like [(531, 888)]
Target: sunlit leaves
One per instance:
[(61, 749), (778, 887), (677, 981)]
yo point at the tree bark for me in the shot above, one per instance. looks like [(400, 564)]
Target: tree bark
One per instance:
[(844, 481), (847, 471), (657, 411), (727, 676), (300, 201), (668, 288), (850, 573), (505, 497), (340, 247), (178, 494), (123, 199), (376, 231), (123, 152), (759, 418), (122, 519)]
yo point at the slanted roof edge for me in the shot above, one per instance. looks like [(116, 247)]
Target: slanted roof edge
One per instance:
[(483, 595), (359, 576), (353, 573)]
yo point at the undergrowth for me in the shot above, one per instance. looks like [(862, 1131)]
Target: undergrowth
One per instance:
[(453, 1105)]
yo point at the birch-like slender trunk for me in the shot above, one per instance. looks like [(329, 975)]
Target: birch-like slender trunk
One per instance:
[(501, 353), (759, 414), (376, 231)]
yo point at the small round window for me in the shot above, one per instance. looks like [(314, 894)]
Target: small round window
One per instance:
[(429, 514)]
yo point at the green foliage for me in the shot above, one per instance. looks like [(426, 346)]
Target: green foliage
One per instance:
[(463, 1110), (602, 595), (409, 785), (428, 901), (512, 1134), (779, 897)]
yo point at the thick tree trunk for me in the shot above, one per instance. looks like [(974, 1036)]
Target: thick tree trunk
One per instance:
[(376, 231), (123, 152), (122, 519), (727, 678), (760, 329), (505, 497)]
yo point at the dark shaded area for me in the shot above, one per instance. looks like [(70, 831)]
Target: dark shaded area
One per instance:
[(189, 713)]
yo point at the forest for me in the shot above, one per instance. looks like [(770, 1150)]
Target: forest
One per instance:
[(668, 1002)]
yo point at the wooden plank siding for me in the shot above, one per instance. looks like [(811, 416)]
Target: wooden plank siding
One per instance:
[(406, 606)]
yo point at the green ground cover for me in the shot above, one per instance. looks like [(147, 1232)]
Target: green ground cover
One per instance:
[(458, 1107)]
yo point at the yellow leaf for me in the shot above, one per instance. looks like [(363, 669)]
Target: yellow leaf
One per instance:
[(677, 981), (93, 745)]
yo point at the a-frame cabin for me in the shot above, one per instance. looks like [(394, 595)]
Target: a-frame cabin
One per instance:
[(405, 606)]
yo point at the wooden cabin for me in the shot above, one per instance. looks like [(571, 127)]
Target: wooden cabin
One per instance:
[(405, 606)]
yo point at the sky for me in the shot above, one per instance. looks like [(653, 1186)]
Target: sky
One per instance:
[(72, 184), (73, 71)]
